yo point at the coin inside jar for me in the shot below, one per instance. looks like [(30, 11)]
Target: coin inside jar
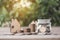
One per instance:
[(42, 29)]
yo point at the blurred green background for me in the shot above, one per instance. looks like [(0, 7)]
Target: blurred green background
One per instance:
[(37, 9)]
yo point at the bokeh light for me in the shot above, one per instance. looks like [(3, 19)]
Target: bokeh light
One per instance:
[(22, 3)]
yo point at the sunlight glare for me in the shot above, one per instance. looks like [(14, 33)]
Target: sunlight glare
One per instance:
[(22, 3)]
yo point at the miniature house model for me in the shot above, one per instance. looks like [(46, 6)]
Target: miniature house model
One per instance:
[(43, 26), (15, 26)]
